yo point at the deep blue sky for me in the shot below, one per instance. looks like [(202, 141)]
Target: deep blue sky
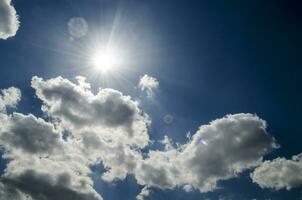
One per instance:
[(212, 58)]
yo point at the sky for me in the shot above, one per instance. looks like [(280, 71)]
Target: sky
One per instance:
[(132, 99)]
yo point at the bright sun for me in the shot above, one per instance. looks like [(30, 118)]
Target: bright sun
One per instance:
[(105, 61)]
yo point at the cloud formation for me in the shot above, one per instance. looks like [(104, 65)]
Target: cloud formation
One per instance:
[(279, 173), (217, 151), (84, 129), (107, 128), (9, 22), (148, 83), (28, 134), (78, 109), (46, 179)]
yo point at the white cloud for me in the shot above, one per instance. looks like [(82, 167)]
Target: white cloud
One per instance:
[(106, 127), (109, 128), (279, 173), (9, 98), (9, 22), (229, 146), (78, 109), (148, 83), (145, 192)]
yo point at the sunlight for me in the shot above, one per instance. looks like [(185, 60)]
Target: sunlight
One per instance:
[(105, 61)]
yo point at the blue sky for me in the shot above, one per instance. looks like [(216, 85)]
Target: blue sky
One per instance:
[(210, 58)]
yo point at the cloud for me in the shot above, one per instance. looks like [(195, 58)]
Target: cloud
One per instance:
[(46, 179), (28, 134), (9, 22), (111, 127), (108, 128), (78, 109), (148, 83), (279, 173), (9, 98), (145, 192), (218, 151)]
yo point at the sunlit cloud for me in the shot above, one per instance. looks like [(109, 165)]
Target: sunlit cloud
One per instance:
[(148, 84), (9, 22), (279, 173)]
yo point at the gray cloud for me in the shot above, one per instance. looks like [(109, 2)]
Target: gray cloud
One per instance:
[(42, 186), (9, 22), (44, 179), (29, 134), (279, 173)]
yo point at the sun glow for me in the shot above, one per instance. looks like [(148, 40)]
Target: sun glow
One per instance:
[(105, 61)]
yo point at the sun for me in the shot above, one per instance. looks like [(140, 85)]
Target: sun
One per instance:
[(105, 61)]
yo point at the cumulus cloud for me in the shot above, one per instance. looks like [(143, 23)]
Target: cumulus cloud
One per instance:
[(216, 152), (148, 83), (108, 128), (110, 125), (279, 173), (79, 109), (9, 98), (29, 134), (46, 179), (9, 22)]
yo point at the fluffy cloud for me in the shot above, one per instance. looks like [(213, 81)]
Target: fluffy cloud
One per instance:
[(78, 109), (9, 98), (28, 134), (217, 151), (46, 179), (9, 22), (41, 164), (279, 173), (148, 83), (109, 128)]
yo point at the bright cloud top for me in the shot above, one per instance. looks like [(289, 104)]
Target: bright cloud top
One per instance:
[(148, 83), (9, 22)]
